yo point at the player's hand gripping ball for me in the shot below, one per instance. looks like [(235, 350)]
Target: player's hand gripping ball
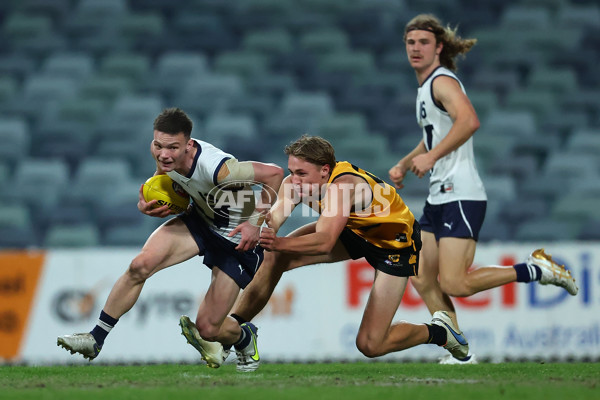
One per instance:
[(167, 192)]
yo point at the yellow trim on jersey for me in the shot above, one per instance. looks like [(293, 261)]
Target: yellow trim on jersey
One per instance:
[(386, 222)]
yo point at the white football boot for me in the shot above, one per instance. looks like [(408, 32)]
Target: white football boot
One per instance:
[(248, 358), (82, 343), (212, 352), (448, 359), (456, 342), (552, 273)]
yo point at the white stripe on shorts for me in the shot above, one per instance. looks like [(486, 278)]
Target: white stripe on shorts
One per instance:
[(464, 218)]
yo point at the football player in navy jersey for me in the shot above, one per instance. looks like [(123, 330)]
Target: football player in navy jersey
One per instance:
[(455, 207), (226, 237)]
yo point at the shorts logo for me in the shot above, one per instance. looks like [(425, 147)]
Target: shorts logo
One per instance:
[(401, 237), (394, 258)]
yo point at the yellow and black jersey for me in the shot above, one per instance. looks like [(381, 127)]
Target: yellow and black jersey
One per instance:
[(385, 221)]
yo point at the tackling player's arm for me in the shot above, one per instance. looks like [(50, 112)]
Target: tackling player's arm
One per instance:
[(447, 91), (338, 203), (283, 206), (270, 175)]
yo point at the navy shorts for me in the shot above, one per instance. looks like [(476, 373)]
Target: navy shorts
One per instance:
[(397, 262), (459, 219), (220, 252)]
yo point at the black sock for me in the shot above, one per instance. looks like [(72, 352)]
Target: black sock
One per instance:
[(239, 319), (105, 324), (437, 335)]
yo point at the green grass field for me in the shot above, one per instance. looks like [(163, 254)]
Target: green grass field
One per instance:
[(377, 380)]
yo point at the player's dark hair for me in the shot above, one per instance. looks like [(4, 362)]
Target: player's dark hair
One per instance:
[(454, 45), (174, 121), (313, 149)]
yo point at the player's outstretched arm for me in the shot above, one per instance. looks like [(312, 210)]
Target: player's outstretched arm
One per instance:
[(337, 205), (270, 176)]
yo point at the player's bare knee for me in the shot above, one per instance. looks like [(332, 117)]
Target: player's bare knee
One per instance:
[(207, 330), (140, 269), (367, 347), (455, 287), (423, 283)]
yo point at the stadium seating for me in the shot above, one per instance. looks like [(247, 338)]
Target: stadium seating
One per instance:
[(82, 81), (15, 138), (546, 230), (39, 182), (81, 235)]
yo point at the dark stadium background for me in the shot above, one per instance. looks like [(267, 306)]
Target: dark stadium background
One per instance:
[(82, 80)]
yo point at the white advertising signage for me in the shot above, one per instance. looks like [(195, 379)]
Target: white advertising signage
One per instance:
[(314, 313)]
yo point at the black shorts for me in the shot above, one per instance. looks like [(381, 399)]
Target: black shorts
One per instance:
[(221, 253), (459, 219), (397, 262)]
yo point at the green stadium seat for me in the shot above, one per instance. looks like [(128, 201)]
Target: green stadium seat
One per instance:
[(220, 128), (57, 10), (103, 9), (15, 138), (77, 236), (584, 141), (308, 105), (350, 63), (559, 81), (40, 182), (105, 88), (70, 65), (275, 85), (540, 102), (576, 207), (590, 230), (134, 235), (244, 64), (576, 16), (204, 95), (552, 40), (324, 41), (174, 69), (518, 210), (95, 180), (145, 26), (272, 42), (484, 102), (519, 124), (17, 66), (120, 208), (571, 164), (546, 230), (348, 126), (22, 27), (14, 216), (176, 63), (132, 66), (530, 17)]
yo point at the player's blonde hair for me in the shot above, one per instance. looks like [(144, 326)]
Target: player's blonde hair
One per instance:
[(453, 44), (313, 149)]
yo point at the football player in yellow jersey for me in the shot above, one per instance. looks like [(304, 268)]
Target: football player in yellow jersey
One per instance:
[(360, 216)]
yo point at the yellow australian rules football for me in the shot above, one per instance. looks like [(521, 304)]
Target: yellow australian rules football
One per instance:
[(167, 192)]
